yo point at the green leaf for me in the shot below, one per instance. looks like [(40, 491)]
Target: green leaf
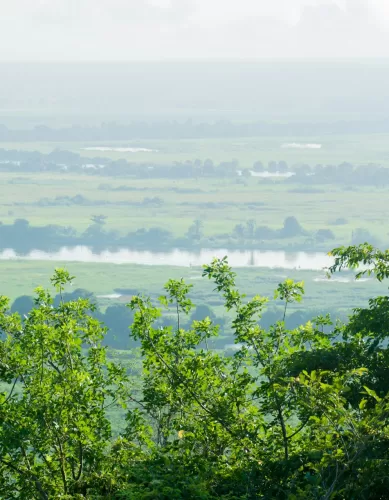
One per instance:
[(372, 393)]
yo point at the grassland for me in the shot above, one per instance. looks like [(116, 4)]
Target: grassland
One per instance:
[(233, 203), (21, 277), (363, 207), (335, 149)]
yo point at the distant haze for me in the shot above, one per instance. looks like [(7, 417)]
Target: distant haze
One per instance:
[(89, 93), (116, 30)]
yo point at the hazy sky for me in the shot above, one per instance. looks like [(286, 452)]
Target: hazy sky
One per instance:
[(157, 29)]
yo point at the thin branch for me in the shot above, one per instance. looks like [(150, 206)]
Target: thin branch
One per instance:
[(283, 429), (12, 466), (55, 367), (138, 403), (111, 404), (62, 462), (299, 429), (286, 306), (260, 358), (38, 484), (178, 316), (280, 334), (81, 459), (193, 394), (327, 496), (11, 393)]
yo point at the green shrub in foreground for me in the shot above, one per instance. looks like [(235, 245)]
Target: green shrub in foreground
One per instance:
[(294, 414)]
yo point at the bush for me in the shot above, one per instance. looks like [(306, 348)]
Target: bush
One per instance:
[(292, 228), (361, 235), (325, 234), (295, 413), (265, 233), (201, 312), (340, 221), (22, 305)]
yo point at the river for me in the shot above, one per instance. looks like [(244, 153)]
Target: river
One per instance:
[(181, 258)]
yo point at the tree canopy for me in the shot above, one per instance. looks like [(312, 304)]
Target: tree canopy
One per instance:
[(292, 414)]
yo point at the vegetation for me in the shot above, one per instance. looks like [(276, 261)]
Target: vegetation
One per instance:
[(23, 238), (111, 286), (191, 130), (294, 414), (344, 173), (162, 203)]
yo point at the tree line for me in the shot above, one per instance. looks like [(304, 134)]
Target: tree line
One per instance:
[(22, 237), (189, 129), (66, 161)]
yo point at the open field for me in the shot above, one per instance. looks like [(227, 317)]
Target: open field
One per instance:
[(20, 278), (219, 203), (335, 149), (363, 207)]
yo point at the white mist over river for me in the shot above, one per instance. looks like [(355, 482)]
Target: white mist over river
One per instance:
[(181, 258)]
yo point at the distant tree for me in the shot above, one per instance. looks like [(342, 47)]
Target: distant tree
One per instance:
[(302, 169), (99, 219), (66, 157), (362, 235), (21, 224), (325, 234), (235, 163), (258, 166), (340, 221), (240, 230), (94, 232), (153, 237), (251, 225), (118, 318), (165, 320), (155, 201), (265, 233), (197, 168), (198, 163), (195, 231), (209, 166), (292, 228), (78, 293), (272, 166), (347, 169), (201, 312), (246, 173), (22, 305)]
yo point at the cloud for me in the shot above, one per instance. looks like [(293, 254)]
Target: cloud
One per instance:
[(154, 29), (380, 10)]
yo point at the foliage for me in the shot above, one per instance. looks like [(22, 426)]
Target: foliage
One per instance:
[(291, 228), (54, 430), (364, 258), (195, 231), (292, 414)]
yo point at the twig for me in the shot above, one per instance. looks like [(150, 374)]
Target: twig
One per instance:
[(12, 390)]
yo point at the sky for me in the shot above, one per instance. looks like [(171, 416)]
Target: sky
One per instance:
[(117, 30)]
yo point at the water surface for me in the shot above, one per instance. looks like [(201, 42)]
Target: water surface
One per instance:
[(250, 258)]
